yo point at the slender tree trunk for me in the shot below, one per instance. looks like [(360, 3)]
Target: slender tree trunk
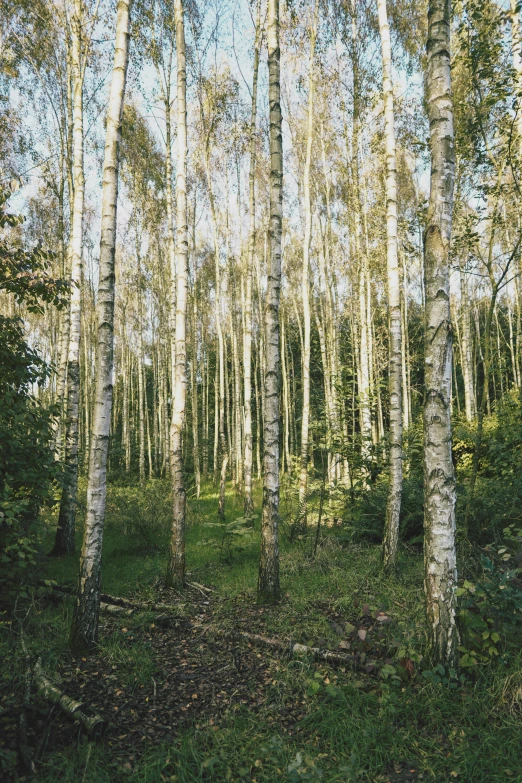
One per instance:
[(363, 366), (258, 421), (286, 395), (176, 565), (170, 230), (305, 288), (268, 589), (65, 322), (406, 384), (439, 476), (238, 423), (220, 390), (64, 542), (216, 417), (141, 386), (393, 505), (126, 415), (247, 339), (205, 410), (467, 366), (194, 377), (84, 631), (512, 345)]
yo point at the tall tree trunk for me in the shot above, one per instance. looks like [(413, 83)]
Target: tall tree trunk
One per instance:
[(170, 229), (84, 630), (363, 362), (286, 403), (268, 589), (176, 565), (216, 416), (141, 385), (406, 372), (393, 505), (194, 367), (220, 359), (64, 541), (440, 562), (64, 333), (305, 275), (467, 366), (247, 338)]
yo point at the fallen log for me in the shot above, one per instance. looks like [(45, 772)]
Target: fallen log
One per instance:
[(113, 600), (93, 723), (134, 603), (294, 648)]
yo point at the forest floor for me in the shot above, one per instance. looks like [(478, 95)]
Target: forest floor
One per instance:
[(184, 703)]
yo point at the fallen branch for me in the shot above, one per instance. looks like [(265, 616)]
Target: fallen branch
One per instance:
[(294, 648), (93, 723), (113, 600), (113, 609), (200, 587), (133, 603)]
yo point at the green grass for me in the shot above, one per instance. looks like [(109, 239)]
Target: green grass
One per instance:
[(352, 727)]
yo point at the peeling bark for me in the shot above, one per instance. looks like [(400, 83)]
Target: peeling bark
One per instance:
[(84, 630), (268, 589), (440, 575), (393, 506)]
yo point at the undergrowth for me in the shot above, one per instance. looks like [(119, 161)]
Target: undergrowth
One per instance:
[(410, 722)]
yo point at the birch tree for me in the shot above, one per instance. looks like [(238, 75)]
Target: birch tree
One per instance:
[(247, 337), (305, 274), (176, 564), (393, 506), (268, 589), (84, 630), (440, 566), (64, 543)]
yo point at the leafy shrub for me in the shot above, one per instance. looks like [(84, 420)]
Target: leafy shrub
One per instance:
[(142, 515), (491, 607), (365, 514), (28, 470), (364, 520), (498, 492), (234, 536), (27, 466)]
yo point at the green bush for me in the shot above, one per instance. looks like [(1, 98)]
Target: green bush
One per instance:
[(141, 514), (28, 470), (491, 607), (364, 517), (498, 492)]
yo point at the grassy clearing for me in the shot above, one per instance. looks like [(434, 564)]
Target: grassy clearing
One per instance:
[(311, 722)]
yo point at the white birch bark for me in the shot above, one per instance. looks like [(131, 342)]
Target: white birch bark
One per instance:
[(268, 589), (84, 629), (170, 230), (247, 337), (305, 287), (393, 505), (194, 365), (440, 574), (65, 533), (176, 565), (467, 361)]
